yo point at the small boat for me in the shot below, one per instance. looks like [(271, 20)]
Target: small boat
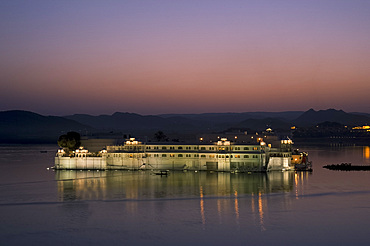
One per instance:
[(301, 162), (162, 172), (43, 151)]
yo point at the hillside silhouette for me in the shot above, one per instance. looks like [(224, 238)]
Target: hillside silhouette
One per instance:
[(18, 126)]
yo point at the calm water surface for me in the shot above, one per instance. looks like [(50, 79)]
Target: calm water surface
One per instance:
[(43, 207)]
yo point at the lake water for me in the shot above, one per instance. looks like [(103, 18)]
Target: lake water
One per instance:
[(45, 207)]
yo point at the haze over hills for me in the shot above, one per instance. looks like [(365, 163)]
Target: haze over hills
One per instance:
[(24, 126)]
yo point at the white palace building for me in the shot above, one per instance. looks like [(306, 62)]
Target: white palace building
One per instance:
[(222, 155)]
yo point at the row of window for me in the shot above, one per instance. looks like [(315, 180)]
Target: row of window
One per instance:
[(117, 148), (203, 148), (280, 155), (191, 155), (203, 156)]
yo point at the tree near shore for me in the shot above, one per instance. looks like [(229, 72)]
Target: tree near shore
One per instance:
[(160, 136), (70, 141)]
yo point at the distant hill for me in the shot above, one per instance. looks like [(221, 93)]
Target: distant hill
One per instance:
[(359, 113), (263, 124), (121, 121), (184, 123), (237, 117), (133, 123), (23, 126), (18, 126), (312, 117)]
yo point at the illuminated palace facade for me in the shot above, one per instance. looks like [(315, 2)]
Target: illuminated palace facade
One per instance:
[(222, 155)]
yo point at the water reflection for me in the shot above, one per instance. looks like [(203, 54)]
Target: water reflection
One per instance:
[(75, 185), (107, 185), (202, 207), (223, 195), (260, 211), (366, 152), (300, 182), (136, 208)]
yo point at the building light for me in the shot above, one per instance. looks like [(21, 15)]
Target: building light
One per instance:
[(361, 127)]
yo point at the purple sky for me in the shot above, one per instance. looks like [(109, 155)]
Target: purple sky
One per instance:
[(150, 57)]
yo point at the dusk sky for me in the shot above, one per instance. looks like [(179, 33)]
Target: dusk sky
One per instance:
[(152, 57)]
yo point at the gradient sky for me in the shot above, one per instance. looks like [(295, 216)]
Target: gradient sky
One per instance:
[(151, 57)]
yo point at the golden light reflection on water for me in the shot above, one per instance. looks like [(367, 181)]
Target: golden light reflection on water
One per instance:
[(202, 206), (300, 182), (219, 211), (366, 152), (81, 185), (236, 205), (237, 194), (296, 185), (253, 208), (260, 211)]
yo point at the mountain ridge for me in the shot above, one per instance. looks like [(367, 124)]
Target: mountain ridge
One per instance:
[(312, 117), (26, 126)]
